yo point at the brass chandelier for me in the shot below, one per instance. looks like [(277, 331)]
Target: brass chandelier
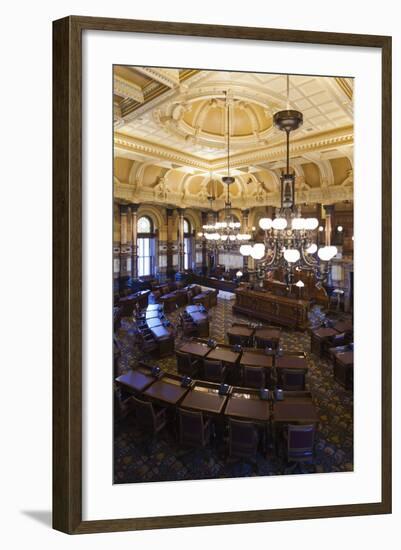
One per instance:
[(289, 239), (226, 234)]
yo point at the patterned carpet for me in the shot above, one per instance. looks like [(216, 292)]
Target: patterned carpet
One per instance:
[(137, 458)]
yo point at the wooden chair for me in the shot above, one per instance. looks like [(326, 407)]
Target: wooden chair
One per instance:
[(300, 445), (292, 379), (149, 419), (188, 327), (243, 439), (214, 371), (254, 377), (186, 365), (194, 430)]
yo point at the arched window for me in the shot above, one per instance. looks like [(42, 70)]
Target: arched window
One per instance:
[(146, 246), (187, 244)]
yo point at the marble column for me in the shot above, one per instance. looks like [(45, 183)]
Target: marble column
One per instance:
[(169, 243), (204, 251), (329, 209), (134, 224), (123, 239), (245, 229), (180, 212)]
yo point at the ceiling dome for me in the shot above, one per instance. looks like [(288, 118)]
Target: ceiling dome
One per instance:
[(204, 120), (210, 117)]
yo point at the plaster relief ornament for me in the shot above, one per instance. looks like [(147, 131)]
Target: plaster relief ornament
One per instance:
[(161, 189)]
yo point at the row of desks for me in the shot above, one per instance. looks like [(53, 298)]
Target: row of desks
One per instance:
[(323, 334), (247, 357), (264, 333), (241, 403)]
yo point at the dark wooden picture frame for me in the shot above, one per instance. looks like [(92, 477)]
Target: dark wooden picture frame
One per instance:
[(67, 274)]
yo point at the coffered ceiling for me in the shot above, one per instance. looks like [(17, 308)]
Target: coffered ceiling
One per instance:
[(170, 136)]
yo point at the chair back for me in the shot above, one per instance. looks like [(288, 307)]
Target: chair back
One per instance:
[(300, 442), (263, 343), (191, 428), (243, 438), (254, 377), (144, 412), (339, 339), (236, 340), (292, 379), (184, 365), (213, 370)]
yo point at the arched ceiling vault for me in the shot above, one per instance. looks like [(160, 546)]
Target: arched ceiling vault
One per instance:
[(170, 140)]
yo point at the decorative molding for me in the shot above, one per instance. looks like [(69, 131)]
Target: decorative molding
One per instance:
[(168, 77), (128, 90), (338, 138)]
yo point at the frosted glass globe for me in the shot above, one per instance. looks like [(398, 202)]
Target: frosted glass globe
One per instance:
[(279, 223), (258, 251), (326, 253), (239, 274), (311, 249), (265, 224), (300, 284), (298, 223), (311, 223), (245, 249), (292, 255)]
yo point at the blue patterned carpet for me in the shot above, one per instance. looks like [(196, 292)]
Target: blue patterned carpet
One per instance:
[(138, 458)]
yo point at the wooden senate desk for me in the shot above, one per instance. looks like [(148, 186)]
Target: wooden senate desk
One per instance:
[(167, 390), (296, 407), (241, 330), (282, 310), (224, 354), (291, 362), (129, 302), (256, 358), (246, 404), (135, 380), (197, 349), (204, 397), (344, 368), (319, 337)]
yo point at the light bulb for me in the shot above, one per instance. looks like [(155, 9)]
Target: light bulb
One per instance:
[(321, 228), (239, 274), (258, 251), (279, 223), (245, 249), (298, 223), (292, 255), (311, 249), (339, 228), (311, 223), (265, 224), (326, 253)]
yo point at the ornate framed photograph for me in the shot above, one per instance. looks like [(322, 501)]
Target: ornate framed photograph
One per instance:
[(222, 251)]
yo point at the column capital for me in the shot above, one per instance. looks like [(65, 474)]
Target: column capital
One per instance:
[(245, 212), (329, 209), (123, 208), (134, 207), (180, 211), (169, 212)]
